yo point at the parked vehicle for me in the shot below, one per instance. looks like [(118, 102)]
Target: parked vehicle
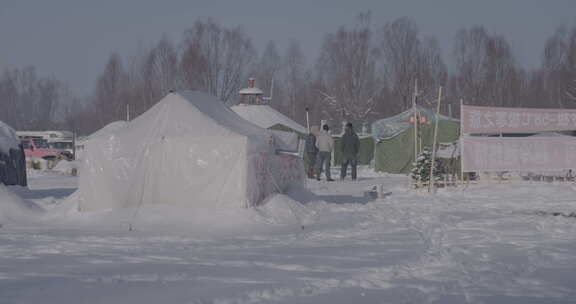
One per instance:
[(61, 141), (66, 148), (38, 148)]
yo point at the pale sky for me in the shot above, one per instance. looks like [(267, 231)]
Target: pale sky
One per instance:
[(72, 39)]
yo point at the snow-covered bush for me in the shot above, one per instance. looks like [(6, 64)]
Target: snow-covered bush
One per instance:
[(422, 165)]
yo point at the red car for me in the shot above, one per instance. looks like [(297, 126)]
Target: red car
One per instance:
[(38, 148)]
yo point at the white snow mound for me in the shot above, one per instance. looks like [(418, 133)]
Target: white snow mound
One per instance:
[(66, 167), (282, 209), (14, 208)]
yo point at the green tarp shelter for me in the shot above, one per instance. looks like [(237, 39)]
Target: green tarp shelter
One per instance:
[(394, 137)]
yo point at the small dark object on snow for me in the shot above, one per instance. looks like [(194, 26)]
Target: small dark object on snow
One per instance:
[(562, 214), (372, 193)]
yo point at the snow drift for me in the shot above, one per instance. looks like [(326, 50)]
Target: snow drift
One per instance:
[(14, 208), (189, 149)]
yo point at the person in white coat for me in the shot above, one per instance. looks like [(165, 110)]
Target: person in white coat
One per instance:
[(325, 145)]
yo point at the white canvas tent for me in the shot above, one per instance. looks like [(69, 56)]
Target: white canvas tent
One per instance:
[(8, 138), (12, 159), (189, 149), (286, 130)]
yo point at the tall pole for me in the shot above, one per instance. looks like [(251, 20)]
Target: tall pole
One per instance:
[(127, 112), (416, 119), (460, 142), (271, 89), (430, 179), (307, 120)]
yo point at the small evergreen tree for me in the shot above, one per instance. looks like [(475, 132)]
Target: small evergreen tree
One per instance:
[(422, 165)]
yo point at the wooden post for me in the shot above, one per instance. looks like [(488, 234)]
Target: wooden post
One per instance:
[(461, 144), (430, 179), (307, 120), (416, 119)]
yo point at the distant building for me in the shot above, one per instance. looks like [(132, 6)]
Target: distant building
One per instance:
[(251, 95)]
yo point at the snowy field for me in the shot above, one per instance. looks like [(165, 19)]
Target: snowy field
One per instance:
[(482, 244)]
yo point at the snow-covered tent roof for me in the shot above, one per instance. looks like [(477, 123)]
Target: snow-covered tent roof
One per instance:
[(8, 138), (267, 117), (109, 128), (392, 126), (188, 149)]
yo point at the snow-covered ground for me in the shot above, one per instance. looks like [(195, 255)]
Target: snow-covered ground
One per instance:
[(481, 244)]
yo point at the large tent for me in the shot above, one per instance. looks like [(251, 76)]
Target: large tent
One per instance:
[(12, 159), (189, 149), (286, 130), (394, 136)]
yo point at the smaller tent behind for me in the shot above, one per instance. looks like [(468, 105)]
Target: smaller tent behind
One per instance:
[(287, 131), (188, 150), (394, 137), (104, 131), (12, 159)]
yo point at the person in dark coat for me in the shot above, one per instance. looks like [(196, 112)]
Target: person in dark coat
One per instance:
[(350, 149), (310, 152)]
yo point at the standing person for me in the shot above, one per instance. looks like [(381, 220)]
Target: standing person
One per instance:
[(325, 144), (350, 149), (310, 152)]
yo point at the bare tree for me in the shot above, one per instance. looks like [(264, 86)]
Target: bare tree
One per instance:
[(111, 85), (407, 58), (28, 101), (270, 69), (401, 54), (432, 72), (486, 71), (156, 73), (294, 69), (216, 59), (347, 71), (559, 66)]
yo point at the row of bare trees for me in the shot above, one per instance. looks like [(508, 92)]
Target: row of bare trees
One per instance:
[(31, 102), (363, 72), (210, 58)]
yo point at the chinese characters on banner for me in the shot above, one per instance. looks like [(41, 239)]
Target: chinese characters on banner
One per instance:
[(477, 120), (490, 154)]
